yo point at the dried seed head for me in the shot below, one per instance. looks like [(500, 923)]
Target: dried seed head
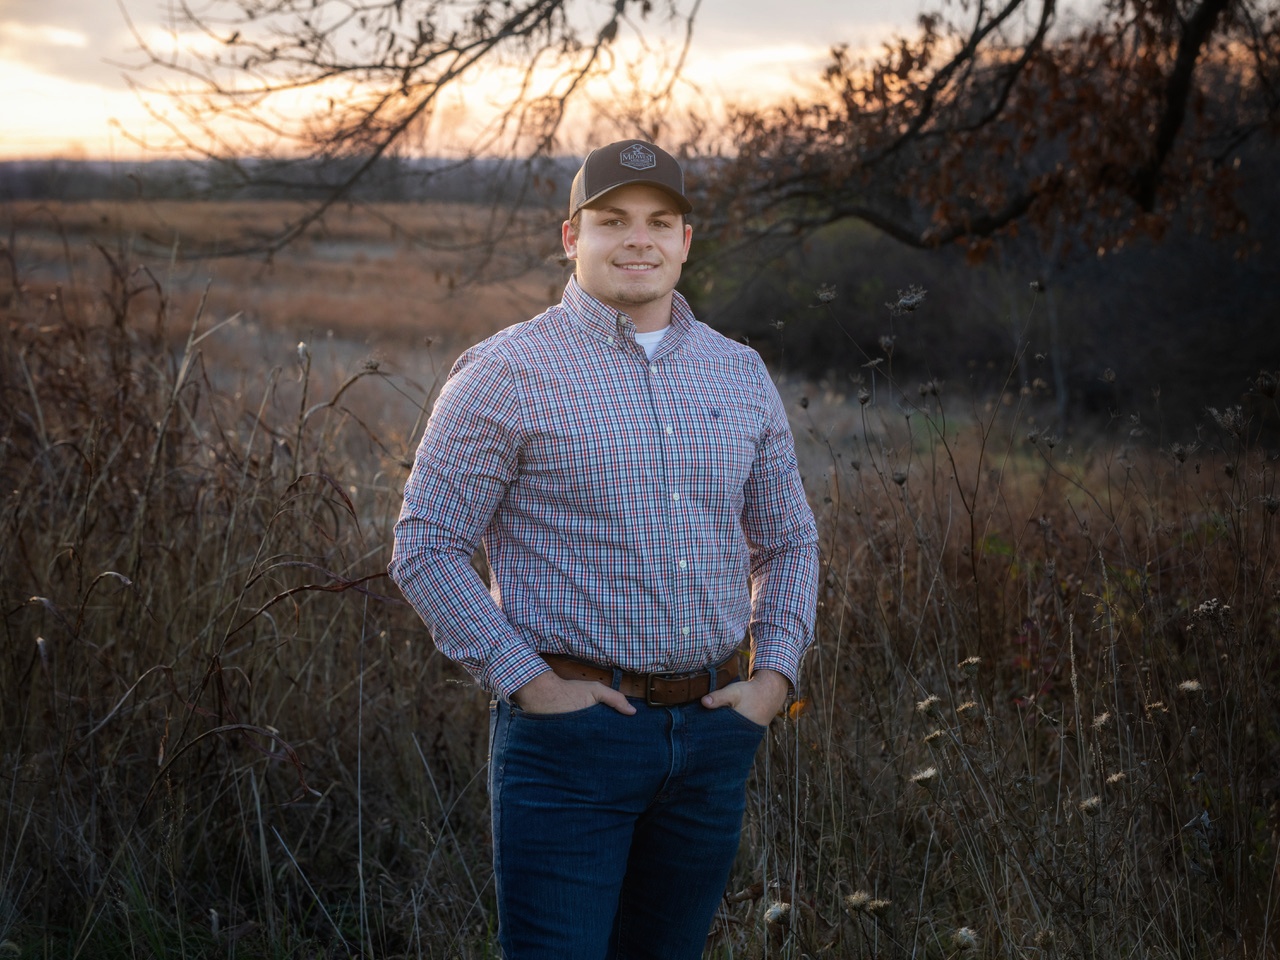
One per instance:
[(1190, 686), (864, 395), (969, 666), (929, 705), (933, 735), (862, 902), (886, 344), (923, 777), (909, 300), (778, 914), (1101, 720), (969, 710), (1091, 807), (825, 293), (965, 939), (1212, 609), (1266, 383), (899, 477), (1271, 504), (1231, 420), (1108, 375), (1116, 778)]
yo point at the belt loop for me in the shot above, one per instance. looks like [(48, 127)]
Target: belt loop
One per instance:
[(617, 677), (713, 672)]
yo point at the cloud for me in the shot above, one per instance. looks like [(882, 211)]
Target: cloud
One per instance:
[(809, 23), (79, 42), (14, 35)]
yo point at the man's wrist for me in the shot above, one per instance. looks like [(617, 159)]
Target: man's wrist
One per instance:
[(539, 682), (778, 656), (775, 685)]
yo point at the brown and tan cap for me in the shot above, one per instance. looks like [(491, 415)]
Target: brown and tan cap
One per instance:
[(624, 162)]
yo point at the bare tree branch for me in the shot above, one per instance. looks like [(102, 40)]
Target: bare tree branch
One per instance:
[(358, 81), (963, 132), (1195, 34)]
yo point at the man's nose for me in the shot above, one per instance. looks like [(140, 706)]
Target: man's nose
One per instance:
[(639, 236)]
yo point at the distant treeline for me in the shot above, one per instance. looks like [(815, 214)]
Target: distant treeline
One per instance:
[(1148, 337), (389, 179)]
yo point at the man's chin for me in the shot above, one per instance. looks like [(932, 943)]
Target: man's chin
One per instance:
[(636, 298)]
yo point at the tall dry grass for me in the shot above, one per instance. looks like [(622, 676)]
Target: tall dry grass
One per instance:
[(1040, 718)]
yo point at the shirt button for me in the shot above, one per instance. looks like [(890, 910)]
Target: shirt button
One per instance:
[(683, 564), (670, 431), (685, 631), (653, 368), (675, 496)]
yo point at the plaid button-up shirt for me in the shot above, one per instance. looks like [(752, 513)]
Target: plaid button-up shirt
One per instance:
[(639, 513)]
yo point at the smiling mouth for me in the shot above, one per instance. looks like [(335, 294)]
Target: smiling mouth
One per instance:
[(637, 267)]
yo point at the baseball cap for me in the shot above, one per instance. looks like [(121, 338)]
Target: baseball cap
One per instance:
[(624, 162)]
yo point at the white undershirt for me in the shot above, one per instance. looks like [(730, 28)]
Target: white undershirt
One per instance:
[(649, 341)]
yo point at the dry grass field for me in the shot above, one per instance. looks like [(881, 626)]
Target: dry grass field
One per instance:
[(1040, 719), (387, 277)]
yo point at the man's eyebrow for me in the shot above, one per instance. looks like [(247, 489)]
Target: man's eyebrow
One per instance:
[(660, 212)]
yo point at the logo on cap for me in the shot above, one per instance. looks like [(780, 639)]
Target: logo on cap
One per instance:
[(638, 157)]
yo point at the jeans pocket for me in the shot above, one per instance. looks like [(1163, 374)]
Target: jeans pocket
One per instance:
[(518, 713), (744, 721)]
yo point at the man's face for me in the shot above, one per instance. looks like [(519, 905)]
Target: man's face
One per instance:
[(629, 246)]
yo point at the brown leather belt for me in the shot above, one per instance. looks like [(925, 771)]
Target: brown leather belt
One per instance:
[(655, 689)]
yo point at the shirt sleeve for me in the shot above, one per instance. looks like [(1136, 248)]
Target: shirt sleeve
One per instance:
[(468, 457), (783, 537)]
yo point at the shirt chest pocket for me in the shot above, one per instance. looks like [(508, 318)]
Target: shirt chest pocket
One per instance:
[(719, 447)]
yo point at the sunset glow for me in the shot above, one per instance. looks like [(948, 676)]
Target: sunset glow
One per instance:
[(64, 80)]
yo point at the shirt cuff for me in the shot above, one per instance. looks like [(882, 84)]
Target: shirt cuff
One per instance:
[(509, 670), (778, 655)]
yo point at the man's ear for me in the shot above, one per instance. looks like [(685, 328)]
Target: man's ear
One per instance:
[(569, 239)]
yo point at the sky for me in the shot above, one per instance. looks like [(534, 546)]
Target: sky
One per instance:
[(63, 63)]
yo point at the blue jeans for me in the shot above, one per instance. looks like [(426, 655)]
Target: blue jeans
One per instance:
[(613, 836)]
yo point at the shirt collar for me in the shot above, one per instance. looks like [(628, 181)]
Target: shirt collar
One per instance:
[(609, 324)]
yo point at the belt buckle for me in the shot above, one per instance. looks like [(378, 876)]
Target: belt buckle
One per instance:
[(648, 690)]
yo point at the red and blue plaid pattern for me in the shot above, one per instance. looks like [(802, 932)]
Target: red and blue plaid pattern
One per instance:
[(640, 513)]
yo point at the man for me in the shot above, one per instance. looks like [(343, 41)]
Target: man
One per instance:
[(633, 479)]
